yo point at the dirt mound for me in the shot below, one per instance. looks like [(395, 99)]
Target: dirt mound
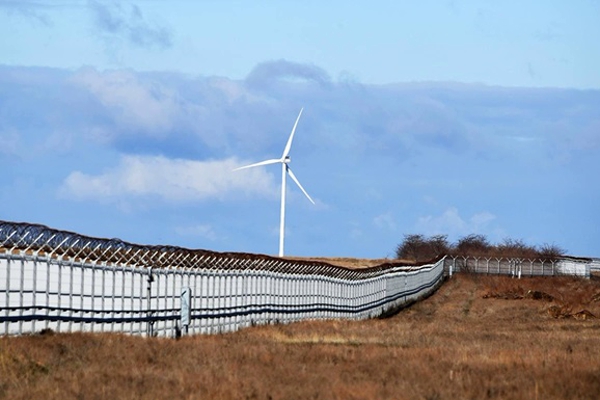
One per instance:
[(518, 294), (563, 311)]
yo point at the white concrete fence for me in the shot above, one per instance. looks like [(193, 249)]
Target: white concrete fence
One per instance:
[(66, 282)]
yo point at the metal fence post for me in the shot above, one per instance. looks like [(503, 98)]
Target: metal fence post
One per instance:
[(93, 308), (34, 291), (186, 297), (150, 323), (7, 293), (70, 325), (21, 294), (48, 292)]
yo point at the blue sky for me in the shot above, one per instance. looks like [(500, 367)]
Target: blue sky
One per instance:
[(125, 119)]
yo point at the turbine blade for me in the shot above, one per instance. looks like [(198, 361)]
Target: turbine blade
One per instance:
[(289, 170), (288, 145), (266, 162)]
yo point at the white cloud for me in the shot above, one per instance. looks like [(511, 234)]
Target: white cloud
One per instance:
[(175, 180), (268, 72), (481, 219), (450, 222), (356, 233), (147, 106), (385, 221), (232, 91), (115, 21), (205, 231), (31, 10)]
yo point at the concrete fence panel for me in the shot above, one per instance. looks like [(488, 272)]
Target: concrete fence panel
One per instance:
[(67, 282)]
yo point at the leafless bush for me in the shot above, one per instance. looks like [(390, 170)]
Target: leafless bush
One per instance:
[(472, 245), (410, 247), (516, 248), (550, 252), (419, 248), (439, 244)]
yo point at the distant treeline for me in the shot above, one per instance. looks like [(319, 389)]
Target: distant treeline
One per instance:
[(422, 248)]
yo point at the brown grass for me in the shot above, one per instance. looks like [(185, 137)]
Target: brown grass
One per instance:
[(471, 340), (347, 262)]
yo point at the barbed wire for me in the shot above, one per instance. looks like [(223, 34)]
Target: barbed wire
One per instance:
[(49, 242)]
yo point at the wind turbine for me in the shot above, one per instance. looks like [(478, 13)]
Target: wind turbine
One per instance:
[(285, 170)]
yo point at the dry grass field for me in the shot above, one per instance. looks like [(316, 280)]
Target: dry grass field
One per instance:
[(354, 263), (478, 337)]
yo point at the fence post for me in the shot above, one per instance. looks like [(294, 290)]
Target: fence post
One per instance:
[(93, 289), (71, 267), (150, 327), (47, 323), (530, 267), (34, 261), (542, 261), (186, 297), (82, 296), (454, 263), (112, 297), (21, 294), (7, 293)]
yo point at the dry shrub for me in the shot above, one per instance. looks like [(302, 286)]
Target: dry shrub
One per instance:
[(472, 245), (550, 252), (420, 248)]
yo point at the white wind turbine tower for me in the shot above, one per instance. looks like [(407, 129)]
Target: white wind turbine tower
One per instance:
[(285, 170)]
